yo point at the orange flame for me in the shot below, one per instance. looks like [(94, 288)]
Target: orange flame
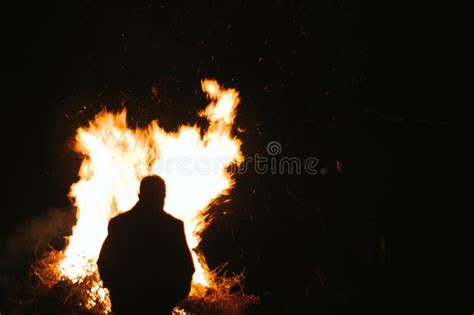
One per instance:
[(193, 164)]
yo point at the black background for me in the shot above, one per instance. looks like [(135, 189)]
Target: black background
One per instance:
[(391, 231)]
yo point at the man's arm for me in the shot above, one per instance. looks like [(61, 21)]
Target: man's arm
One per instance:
[(183, 246), (105, 260)]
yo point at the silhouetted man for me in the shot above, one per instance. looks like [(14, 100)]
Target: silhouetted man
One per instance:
[(145, 261)]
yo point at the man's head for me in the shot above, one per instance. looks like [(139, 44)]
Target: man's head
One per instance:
[(153, 192)]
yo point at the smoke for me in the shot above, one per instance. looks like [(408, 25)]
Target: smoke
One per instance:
[(31, 239)]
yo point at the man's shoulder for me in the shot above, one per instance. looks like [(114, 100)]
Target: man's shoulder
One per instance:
[(130, 216), (173, 220), (120, 219)]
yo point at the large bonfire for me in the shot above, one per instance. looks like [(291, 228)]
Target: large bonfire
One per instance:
[(193, 162)]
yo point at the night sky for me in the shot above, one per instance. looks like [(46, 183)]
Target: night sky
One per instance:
[(389, 230)]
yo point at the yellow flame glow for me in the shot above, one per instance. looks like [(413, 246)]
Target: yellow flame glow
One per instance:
[(194, 165)]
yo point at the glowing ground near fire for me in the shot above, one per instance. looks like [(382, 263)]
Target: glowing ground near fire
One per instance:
[(115, 159)]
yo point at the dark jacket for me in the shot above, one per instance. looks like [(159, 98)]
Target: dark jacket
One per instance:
[(145, 257)]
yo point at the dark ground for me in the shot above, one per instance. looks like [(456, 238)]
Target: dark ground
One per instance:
[(389, 233)]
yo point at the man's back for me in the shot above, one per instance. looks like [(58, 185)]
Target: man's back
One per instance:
[(145, 261)]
